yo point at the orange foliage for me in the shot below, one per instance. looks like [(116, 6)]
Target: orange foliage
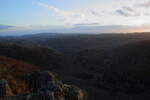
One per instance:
[(13, 70)]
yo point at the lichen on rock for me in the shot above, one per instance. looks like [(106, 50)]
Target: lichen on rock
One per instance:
[(45, 85)]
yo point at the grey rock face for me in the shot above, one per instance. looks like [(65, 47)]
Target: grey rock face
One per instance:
[(46, 86), (5, 89)]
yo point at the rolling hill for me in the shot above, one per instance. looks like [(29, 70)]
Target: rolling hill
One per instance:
[(22, 81), (72, 43), (36, 55), (107, 66), (13, 70)]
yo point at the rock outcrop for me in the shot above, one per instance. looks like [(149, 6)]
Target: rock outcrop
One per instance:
[(5, 89), (44, 85)]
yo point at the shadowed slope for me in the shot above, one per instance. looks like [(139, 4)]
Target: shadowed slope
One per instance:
[(12, 70), (40, 56)]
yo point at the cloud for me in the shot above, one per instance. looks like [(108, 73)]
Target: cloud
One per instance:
[(128, 11), (146, 4), (74, 17), (93, 12), (147, 14), (91, 24), (2, 27), (122, 12)]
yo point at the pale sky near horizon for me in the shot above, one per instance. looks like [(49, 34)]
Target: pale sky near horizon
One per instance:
[(28, 14)]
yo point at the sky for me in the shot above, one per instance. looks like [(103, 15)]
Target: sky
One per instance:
[(74, 16)]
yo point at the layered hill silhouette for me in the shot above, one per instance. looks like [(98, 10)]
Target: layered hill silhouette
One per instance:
[(106, 66), (36, 55), (70, 43)]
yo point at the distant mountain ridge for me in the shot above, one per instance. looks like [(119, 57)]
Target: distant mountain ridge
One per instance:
[(70, 43)]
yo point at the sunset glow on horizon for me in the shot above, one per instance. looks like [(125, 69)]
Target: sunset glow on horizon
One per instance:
[(100, 16)]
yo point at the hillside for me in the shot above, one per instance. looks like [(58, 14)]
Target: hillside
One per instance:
[(121, 70), (22, 81), (72, 43), (36, 55), (12, 70), (131, 67), (112, 66)]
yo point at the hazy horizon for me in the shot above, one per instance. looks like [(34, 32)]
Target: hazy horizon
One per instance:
[(74, 16)]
